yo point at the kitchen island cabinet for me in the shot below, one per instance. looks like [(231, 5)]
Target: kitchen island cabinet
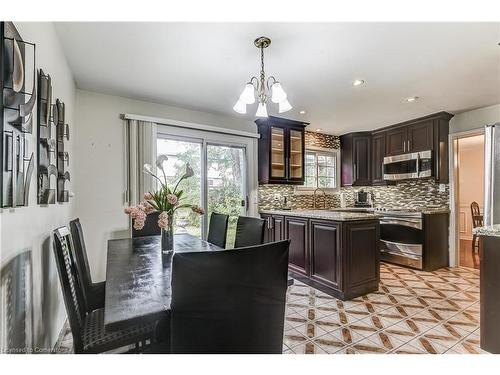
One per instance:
[(335, 252)]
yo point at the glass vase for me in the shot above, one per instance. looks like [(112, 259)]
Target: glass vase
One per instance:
[(167, 242)]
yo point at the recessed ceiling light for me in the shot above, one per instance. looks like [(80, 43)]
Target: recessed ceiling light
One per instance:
[(318, 129), (358, 82), (412, 99), (302, 112)]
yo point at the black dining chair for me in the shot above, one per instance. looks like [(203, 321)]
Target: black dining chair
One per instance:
[(249, 231), (87, 329), (217, 229), (93, 293), (477, 221), (150, 228), (230, 301)]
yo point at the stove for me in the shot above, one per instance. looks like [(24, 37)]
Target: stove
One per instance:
[(398, 212)]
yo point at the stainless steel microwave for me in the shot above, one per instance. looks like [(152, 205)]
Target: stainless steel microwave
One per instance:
[(408, 166)]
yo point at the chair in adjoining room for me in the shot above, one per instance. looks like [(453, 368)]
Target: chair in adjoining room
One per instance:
[(217, 229), (230, 301), (477, 221), (87, 329), (249, 231), (150, 228), (93, 293)]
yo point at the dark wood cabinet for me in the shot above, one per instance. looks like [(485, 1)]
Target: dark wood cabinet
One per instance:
[(340, 258), (326, 260), (281, 151), (296, 230), (396, 141), (355, 151), (378, 153), (420, 136)]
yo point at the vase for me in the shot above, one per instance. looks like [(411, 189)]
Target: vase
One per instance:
[(167, 242)]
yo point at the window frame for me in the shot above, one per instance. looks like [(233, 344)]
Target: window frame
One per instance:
[(308, 190)]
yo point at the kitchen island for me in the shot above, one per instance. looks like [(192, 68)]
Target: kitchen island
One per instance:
[(333, 251)]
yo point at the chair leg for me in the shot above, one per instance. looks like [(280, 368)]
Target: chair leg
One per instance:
[(474, 238)]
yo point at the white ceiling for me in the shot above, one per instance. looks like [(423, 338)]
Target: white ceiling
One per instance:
[(204, 66)]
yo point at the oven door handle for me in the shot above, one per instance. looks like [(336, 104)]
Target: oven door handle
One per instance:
[(417, 224)]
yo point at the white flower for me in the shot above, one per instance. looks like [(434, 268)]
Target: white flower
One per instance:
[(160, 160), (147, 168), (189, 171)]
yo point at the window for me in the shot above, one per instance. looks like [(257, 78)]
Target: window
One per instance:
[(321, 170)]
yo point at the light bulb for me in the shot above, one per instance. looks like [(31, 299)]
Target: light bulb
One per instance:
[(261, 110), (248, 94), (284, 106), (240, 107), (278, 94)]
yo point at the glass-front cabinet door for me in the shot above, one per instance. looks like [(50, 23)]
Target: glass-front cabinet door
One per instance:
[(296, 154), (278, 157)]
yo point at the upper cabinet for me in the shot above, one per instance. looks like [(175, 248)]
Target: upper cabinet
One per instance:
[(422, 134), (281, 151), (355, 156)]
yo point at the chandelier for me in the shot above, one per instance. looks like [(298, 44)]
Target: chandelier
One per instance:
[(262, 89)]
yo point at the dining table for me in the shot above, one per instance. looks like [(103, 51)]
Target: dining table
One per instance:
[(138, 281)]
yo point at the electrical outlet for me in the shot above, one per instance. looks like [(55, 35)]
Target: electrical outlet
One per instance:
[(377, 194), (442, 188)]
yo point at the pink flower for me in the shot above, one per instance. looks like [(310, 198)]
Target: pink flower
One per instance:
[(163, 220), (148, 196), (172, 199), (148, 208), (198, 210), (138, 224), (128, 210)]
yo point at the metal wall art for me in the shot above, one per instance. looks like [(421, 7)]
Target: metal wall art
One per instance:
[(62, 130), (18, 90)]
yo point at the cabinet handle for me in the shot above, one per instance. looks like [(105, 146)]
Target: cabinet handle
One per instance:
[(355, 171), (404, 146), (408, 145)]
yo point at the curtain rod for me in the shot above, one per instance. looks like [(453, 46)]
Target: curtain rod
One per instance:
[(190, 125)]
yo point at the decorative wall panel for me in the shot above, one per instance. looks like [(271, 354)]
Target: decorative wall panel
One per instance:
[(18, 90)]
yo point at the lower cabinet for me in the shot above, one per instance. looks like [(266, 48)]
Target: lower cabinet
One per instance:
[(326, 261), (340, 258), (296, 229)]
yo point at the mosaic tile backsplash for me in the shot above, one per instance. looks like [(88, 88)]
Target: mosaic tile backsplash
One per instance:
[(416, 194)]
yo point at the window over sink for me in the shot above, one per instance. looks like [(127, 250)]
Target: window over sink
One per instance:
[(322, 170)]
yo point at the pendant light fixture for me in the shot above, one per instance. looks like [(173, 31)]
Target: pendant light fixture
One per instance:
[(262, 89)]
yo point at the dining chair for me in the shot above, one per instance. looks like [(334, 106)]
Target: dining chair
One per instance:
[(217, 230), (477, 221), (87, 329), (230, 301), (93, 293), (249, 231), (150, 228)]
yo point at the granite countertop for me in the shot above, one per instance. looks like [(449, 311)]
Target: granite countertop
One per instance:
[(324, 214), (492, 230), (430, 211)]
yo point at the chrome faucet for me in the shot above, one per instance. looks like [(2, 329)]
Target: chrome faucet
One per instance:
[(324, 198)]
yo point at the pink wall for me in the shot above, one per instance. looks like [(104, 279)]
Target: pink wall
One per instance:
[(471, 170)]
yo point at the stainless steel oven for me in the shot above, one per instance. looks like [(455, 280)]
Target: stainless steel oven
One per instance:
[(402, 238), (408, 166)]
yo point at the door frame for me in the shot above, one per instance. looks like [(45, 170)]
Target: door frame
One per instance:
[(454, 234)]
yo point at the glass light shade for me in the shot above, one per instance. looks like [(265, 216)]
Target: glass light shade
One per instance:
[(240, 107), (284, 106), (278, 94), (261, 110), (248, 94)]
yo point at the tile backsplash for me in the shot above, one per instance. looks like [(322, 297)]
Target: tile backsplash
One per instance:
[(412, 193)]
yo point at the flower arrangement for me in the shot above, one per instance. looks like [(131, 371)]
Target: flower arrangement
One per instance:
[(165, 200)]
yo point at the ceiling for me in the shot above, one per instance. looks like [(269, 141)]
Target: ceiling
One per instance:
[(450, 66)]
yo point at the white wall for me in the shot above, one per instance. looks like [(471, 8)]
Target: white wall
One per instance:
[(100, 163), (475, 119), (30, 228)]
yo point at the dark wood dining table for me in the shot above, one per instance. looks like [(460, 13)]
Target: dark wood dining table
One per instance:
[(137, 283)]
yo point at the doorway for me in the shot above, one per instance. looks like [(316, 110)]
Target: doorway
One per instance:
[(467, 189)]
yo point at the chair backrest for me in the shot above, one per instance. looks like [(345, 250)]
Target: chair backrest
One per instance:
[(230, 301), (70, 284), (217, 230), (82, 261), (249, 231), (150, 228), (477, 218)]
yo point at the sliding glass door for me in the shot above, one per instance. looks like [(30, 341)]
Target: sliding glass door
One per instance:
[(226, 184), (219, 183)]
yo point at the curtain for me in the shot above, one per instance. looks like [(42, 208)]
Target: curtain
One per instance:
[(141, 149)]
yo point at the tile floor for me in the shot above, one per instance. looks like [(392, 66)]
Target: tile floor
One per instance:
[(413, 312)]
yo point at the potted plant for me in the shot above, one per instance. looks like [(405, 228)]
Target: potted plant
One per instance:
[(166, 201)]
